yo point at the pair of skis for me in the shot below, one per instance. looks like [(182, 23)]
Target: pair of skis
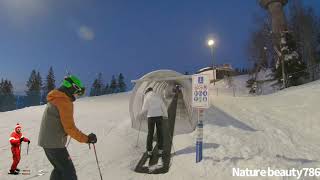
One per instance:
[(22, 172), (156, 164), (154, 167), (25, 172), (28, 172)]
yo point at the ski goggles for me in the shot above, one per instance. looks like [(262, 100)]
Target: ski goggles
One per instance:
[(78, 90)]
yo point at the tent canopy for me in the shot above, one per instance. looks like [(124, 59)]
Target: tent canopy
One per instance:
[(163, 83)]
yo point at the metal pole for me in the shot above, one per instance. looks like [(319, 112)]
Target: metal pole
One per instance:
[(212, 51), (198, 143), (198, 115), (95, 152)]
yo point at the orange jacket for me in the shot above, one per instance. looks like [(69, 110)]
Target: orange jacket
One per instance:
[(65, 107)]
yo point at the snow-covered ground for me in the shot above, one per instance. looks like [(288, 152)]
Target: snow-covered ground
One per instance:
[(279, 130), (237, 85)]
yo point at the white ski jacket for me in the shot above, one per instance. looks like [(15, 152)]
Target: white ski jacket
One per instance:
[(154, 106)]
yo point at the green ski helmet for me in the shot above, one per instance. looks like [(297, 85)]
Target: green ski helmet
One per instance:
[(74, 84)]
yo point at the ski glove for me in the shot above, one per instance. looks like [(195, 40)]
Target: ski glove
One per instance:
[(29, 142), (21, 139), (92, 138)]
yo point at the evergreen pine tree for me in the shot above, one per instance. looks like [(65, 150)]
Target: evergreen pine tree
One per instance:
[(94, 90), (7, 99), (122, 87), (100, 85), (34, 86), (106, 89), (113, 85), (50, 84), (40, 85), (2, 95), (50, 81), (97, 86)]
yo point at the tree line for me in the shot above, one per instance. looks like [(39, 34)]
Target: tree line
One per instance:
[(35, 94), (116, 85), (37, 90)]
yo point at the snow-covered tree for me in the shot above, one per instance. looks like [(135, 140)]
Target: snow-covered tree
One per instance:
[(304, 26), (295, 68)]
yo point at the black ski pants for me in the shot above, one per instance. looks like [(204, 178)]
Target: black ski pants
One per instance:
[(155, 121), (63, 168)]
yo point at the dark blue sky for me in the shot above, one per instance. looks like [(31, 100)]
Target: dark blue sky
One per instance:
[(133, 36)]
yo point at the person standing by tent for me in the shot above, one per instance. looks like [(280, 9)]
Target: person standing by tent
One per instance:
[(156, 111), (57, 123), (16, 139)]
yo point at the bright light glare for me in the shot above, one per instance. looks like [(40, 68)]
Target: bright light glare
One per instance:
[(211, 42)]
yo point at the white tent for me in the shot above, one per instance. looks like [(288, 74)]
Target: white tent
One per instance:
[(164, 82)]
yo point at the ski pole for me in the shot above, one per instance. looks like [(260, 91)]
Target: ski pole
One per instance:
[(140, 118), (28, 149), (139, 133), (95, 152)]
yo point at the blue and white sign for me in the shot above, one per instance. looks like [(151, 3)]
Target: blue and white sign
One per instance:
[(200, 91), (200, 100)]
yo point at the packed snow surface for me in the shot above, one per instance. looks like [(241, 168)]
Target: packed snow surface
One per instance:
[(279, 130)]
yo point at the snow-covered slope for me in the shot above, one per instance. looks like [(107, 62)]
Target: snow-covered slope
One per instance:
[(237, 85), (280, 130), (234, 86)]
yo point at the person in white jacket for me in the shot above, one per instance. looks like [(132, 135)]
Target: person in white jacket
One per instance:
[(156, 111)]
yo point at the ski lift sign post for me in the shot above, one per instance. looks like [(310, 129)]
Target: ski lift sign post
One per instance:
[(200, 91), (200, 100)]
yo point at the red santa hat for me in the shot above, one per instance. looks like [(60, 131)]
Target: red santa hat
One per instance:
[(17, 126)]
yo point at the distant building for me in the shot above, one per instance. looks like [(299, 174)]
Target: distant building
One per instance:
[(221, 71)]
